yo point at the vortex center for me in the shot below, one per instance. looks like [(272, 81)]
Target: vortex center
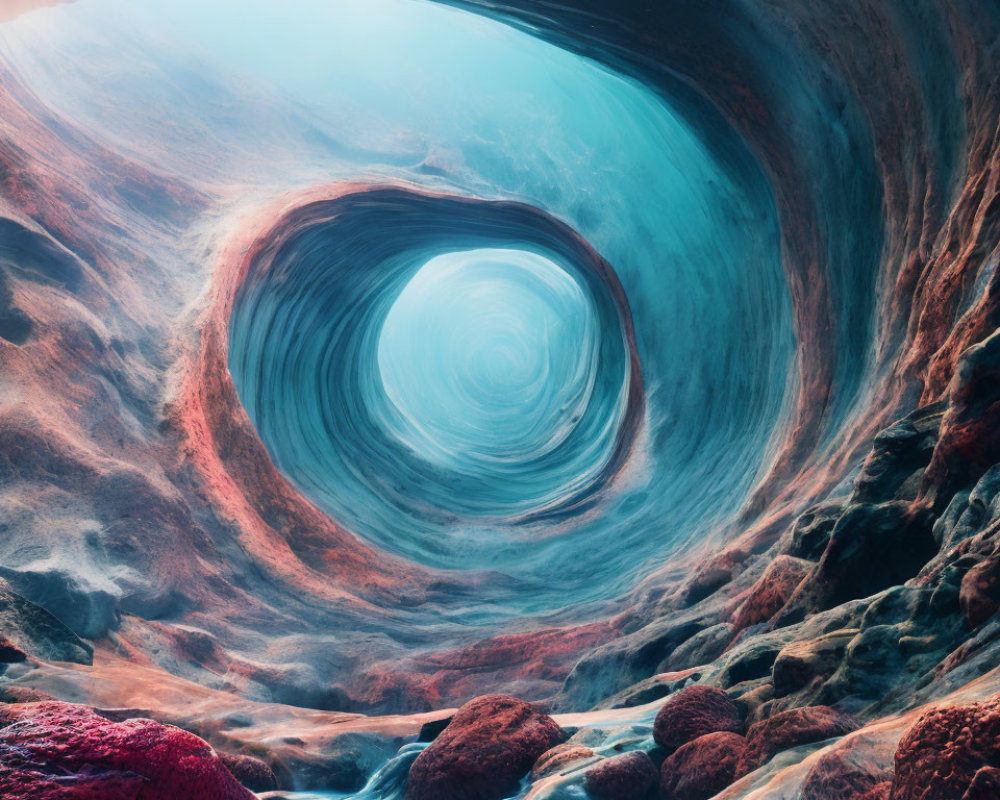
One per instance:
[(488, 355)]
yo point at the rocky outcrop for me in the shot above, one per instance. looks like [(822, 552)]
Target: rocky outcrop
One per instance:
[(788, 729), (900, 454), (694, 712), (970, 431), (980, 592), (872, 547), (701, 768), (631, 775), (491, 743), (985, 785), (50, 751), (800, 663)]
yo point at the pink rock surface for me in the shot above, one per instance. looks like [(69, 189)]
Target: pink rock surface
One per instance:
[(58, 750)]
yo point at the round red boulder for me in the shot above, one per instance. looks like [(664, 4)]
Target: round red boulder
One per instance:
[(484, 752), (632, 775), (702, 768), (692, 713)]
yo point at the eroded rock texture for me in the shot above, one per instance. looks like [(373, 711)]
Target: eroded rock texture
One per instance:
[(50, 751)]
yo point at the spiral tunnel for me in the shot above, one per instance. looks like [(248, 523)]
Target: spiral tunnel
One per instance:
[(421, 363)]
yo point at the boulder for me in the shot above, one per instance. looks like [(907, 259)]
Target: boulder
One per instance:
[(899, 455), (812, 530), (702, 768), (632, 775), (872, 548), (702, 648), (54, 751), (791, 728), (711, 575), (489, 746), (692, 713), (940, 757)]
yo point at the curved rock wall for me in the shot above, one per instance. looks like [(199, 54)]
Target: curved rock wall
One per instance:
[(767, 458)]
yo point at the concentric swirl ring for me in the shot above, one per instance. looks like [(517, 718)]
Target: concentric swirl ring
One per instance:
[(305, 337)]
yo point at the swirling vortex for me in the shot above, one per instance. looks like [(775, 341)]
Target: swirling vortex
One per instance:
[(516, 400)]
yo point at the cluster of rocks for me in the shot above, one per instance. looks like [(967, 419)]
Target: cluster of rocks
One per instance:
[(873, 602), (702, 744), (709, 746)]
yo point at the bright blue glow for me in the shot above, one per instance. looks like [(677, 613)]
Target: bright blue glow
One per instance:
[(490, 357)]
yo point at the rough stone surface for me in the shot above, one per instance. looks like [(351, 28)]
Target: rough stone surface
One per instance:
[(873, 547), (482, 755), (702, 768), (692, 713), (980, 591), (900, 453), (631, 775), (880, 791), (771, 591), (34, 630), (791, 728), (969, 442), (55, 751), (940, 756), (985, 785), (812, 530)]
